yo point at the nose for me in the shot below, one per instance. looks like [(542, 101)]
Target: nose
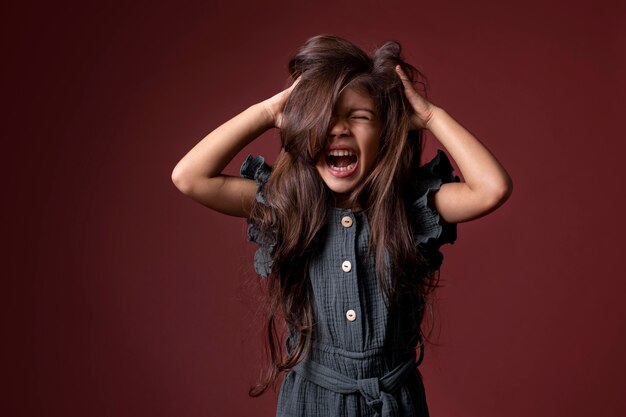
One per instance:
[(338, 127)]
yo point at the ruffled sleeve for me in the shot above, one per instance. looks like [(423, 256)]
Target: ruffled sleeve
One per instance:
[(255, 168), (430, 230)]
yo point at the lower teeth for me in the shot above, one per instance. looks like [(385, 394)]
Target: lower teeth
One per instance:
[(346, 168)]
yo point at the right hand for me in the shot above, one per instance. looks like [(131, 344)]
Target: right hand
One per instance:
[(275, 105)]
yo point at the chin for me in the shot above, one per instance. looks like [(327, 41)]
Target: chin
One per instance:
[(338, 186), (341, 192)]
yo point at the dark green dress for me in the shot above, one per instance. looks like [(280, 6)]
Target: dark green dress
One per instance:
[(363, 360)]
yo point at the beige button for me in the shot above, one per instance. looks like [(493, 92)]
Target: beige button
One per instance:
[(351, 315), (346, 266), (346, 221)]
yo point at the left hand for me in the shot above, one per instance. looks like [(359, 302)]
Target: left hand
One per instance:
[(423, 110), (275, 105)]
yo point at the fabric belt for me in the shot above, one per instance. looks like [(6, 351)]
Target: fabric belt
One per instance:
[(376, 391)]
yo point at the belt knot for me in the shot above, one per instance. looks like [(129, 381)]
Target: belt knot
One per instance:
[(383, 403), (377, 392)]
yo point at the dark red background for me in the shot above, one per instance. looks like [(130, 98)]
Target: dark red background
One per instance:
[(125, 298)]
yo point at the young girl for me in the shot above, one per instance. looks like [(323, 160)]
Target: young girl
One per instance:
[(348, 224)]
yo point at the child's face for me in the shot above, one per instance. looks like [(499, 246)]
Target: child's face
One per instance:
[(353, 142)]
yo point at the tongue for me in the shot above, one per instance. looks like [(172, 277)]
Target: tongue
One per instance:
[(343, 161)]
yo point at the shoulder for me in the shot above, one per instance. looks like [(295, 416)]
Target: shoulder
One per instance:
[(430, 230), (257, 169)]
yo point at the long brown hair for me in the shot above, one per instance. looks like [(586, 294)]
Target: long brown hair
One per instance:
[(298, 200)]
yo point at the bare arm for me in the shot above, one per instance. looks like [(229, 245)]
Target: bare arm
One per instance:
[(198, 174), (486, 184)]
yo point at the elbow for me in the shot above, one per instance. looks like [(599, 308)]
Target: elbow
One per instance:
[(181, 180), (501, 192), (507, 189)]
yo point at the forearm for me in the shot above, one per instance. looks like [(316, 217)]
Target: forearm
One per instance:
[(480, 170), (208, 157)]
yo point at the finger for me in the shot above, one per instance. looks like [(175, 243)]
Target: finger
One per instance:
[(409, 89), (295, 82), (403, 76)]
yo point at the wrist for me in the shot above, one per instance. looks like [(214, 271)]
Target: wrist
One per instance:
[(266, 117), (436, 116)]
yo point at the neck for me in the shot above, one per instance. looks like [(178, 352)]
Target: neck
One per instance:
[(343, 201)]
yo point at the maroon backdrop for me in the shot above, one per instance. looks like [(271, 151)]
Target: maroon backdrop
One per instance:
[(122, 297)]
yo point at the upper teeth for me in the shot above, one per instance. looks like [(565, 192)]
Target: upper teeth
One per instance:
[(340, 152)]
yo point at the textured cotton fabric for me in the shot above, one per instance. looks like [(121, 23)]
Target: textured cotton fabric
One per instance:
[(358, 341)]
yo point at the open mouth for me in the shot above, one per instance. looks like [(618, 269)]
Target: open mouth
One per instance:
[(341, 160)]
